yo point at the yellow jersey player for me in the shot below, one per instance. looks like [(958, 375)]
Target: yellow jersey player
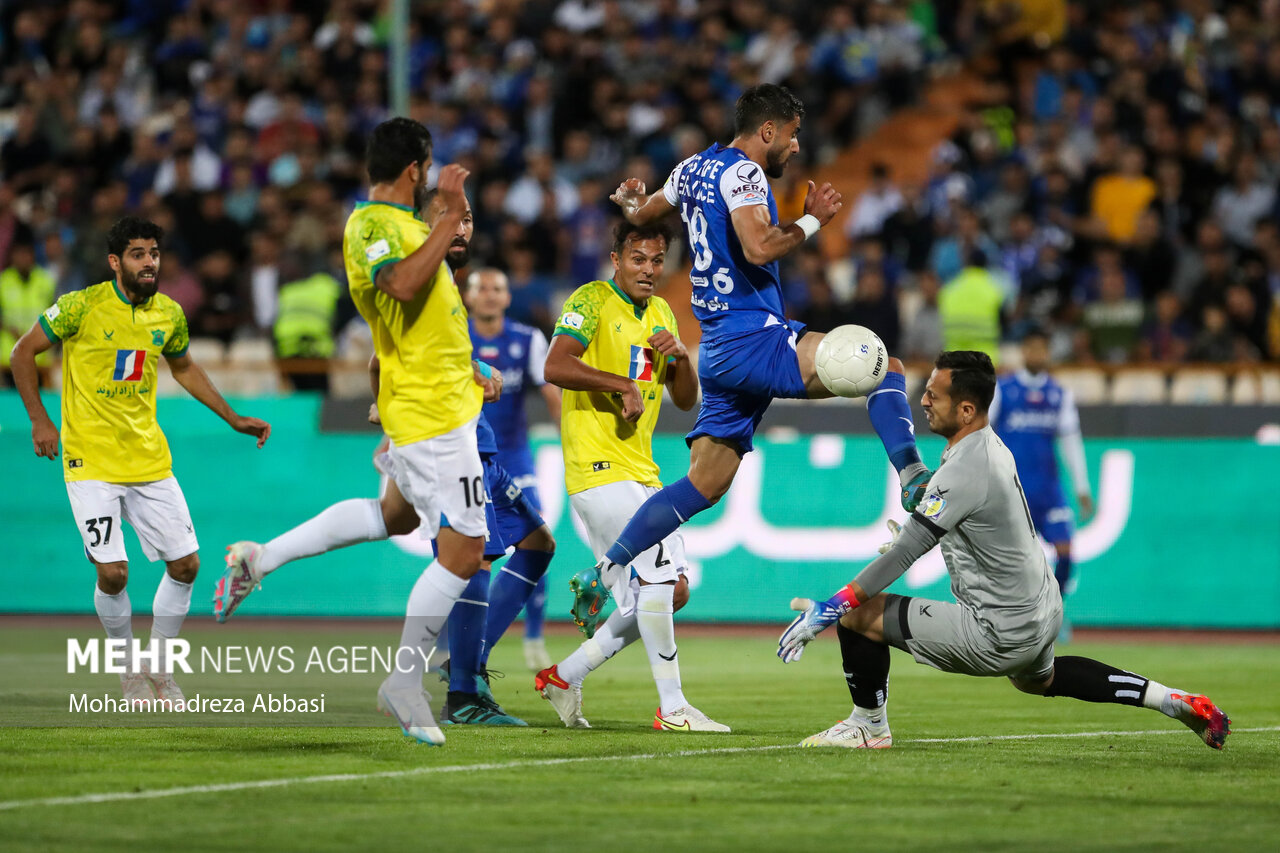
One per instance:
[(428, 399), (116, 459), (614, 348)]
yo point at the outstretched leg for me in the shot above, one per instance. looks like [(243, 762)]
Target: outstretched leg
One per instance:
[(1093, 681)]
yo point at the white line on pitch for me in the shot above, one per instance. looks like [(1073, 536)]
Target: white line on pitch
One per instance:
[(118, 796)]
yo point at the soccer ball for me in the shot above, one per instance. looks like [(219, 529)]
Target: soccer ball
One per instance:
[(851, 361)]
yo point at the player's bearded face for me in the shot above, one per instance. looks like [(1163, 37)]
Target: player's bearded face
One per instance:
[(784, 145), (459, 253), (140, 269)]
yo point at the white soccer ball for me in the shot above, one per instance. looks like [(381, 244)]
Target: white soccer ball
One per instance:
[(851, 361)]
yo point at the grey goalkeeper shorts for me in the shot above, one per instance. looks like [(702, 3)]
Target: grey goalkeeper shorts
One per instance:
[(946, 636)]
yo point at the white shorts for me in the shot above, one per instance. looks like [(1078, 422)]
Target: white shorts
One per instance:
[(441, 476), (157, 512), (606, 509)]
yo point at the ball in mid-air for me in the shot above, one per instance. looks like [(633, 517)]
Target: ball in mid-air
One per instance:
[(851, 361)]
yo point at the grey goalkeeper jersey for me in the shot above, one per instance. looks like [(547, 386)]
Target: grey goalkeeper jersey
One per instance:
[(975, 506)]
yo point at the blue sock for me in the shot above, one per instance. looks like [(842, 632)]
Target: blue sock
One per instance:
[(657, 518), (513, 585), (466, 633), (1062, 572), (890, 414), (535, 611)]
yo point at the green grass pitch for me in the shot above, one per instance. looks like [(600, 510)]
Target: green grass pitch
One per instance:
[(975, 765)]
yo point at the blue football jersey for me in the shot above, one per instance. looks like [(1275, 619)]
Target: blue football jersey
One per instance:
[(1029, 414), (730, 295), (519, 352), (485, 443)]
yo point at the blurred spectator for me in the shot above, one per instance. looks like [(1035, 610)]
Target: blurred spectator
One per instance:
[(1121, 196), (26, 290), (873, 208), (1214, 342), (922, 335), (530, 290), (1238, 206), (1114, 320), (875, 307), (970, 308), (305, 326), (1166, 336)]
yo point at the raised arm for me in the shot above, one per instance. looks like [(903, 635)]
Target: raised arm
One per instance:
[(638, 208), (22, 361), (763, 242), (403, 279)]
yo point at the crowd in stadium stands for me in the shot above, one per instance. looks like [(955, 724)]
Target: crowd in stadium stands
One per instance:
[(1120, 189)]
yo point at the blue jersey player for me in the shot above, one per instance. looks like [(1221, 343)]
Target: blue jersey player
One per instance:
[(750, 352), (519, 352), (1035, 416)]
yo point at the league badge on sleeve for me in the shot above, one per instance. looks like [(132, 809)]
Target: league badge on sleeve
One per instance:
[(932, 505)]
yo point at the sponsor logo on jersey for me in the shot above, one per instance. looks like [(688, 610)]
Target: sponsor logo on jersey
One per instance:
[(641, 367), (597, 467), (572, 319), (129, 365), (378, 250), (75, 463), (53, 312), (932, 505)]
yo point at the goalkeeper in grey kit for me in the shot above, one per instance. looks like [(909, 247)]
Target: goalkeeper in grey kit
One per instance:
[(1008, 609)]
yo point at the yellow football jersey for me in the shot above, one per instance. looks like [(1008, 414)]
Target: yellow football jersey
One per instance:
[(599, 446), (110, 349), (426, 386)]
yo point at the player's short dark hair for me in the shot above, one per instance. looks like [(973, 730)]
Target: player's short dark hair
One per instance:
[(766, 102), (393, 145), (651, 231), (973, 376), (1035, 332), (131, 228)]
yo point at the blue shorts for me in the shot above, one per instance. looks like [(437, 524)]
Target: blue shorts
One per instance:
[(741, 376), (1050, 513), (508, 514)]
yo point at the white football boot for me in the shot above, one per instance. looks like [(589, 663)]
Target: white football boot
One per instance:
[(412, 710), (686, 719), (853, 733), (136, 688), (566, 698), (241, 578)]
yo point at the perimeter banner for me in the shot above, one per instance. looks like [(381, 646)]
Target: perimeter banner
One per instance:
[(1186, 533)]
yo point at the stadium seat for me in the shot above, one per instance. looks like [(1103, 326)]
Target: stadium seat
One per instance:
[(260, 381), (1198, 386), (1246, 388), (1269, 386), (207, 351), (1088, 384), (1009, 358), (166, 385), (1143, 386), (251, 351), (915, 383)]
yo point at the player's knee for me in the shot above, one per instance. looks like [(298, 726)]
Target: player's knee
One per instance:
[(896, 365), (539, 540), (184, 570), (1035, 688), (680, 596), (112, 577), (399, 521)]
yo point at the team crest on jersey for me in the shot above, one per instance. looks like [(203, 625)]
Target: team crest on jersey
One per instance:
[(641, 367), (129, 365), (157, 337), (932, 505)]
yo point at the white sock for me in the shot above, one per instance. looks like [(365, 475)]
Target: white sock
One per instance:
[(169, 608), (430, 601), (116, 615), (440, 653), (877, 716), (345, 523), (613, 636), (1156, 697), (658, 630)]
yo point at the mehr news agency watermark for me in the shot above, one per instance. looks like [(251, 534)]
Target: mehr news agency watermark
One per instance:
[(174, 656)]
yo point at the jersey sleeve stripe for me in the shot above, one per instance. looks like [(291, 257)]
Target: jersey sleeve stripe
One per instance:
[(179, 354), (48, 330), (930, 525), (373, 273), (577, 336)]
